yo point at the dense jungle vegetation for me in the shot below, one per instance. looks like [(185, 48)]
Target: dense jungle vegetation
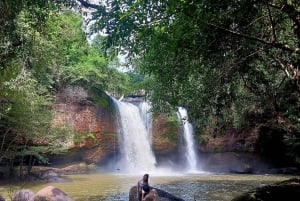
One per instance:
[(232, 64), (43, 46)]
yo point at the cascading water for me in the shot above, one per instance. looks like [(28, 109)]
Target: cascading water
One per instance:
[(190, 152), (135, 147), (145, 110)]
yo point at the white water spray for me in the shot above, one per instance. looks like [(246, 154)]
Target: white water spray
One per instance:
[(136, 153), (190, 152), (145, 110)]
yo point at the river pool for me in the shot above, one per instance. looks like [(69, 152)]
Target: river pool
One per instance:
[(115, 187)]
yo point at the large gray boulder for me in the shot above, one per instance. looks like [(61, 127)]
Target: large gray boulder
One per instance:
[(23, 195), (155, 194), (51, 193), (48, 193)]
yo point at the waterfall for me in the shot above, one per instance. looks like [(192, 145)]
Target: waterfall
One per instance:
[(190, 152), (136, 155), (145, 110)]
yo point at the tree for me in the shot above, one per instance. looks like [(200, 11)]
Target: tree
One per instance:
[(223, 60), (53, 53), (25, 122), (36, 10)]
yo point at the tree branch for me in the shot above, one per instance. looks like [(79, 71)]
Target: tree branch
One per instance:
[(272, 24), (288, 9), (292, 12), (273, 44), (88, 5)]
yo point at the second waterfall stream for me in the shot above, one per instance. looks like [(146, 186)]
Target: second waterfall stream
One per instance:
[(188, 134)]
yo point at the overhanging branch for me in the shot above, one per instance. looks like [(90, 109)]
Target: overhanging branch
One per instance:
[(290, 10), (87, 4), (273, 44)]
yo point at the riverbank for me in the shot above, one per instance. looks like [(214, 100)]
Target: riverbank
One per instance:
[(58, 173)]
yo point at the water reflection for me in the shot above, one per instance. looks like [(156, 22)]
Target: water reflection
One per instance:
[(115, 187)]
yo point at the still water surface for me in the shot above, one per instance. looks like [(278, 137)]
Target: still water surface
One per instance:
[(115, 187)]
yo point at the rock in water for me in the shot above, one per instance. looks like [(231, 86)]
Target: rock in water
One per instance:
[(284, 190), (154, 195), (23, 195), (51, 193)]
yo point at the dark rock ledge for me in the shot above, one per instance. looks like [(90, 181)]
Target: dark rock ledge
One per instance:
[(155, 194), (288, 190)]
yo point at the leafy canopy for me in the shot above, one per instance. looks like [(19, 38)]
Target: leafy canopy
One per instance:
[(225, 61), (43, 49)]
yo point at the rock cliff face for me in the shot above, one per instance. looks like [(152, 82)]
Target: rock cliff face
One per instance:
[(165, 135), (91, 118), (231, 141), (166, 139)]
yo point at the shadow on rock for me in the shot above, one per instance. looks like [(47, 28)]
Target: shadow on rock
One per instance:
[(155, 194)]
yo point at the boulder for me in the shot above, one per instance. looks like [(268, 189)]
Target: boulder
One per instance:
[(51, 193), (155, 194), (152, 196), (2, 198), (23, 195), (49, 173), (285, 190), (166, 196), (46, 174)]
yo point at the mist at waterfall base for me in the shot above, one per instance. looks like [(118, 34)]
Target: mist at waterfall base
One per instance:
[(135, 155)]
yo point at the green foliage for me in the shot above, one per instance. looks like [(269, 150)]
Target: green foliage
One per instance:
[(230, 63), (83, 64), (41, 49), (22, 95), (173, 120), (111, 134), (293, 142), (25, 120), (25, 112), (100, 101), (169, 136), (37, 12), (173, 126), (84, 136), (202, 139)]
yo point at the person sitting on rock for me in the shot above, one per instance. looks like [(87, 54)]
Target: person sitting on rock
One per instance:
[(139, 188), (145, 190)]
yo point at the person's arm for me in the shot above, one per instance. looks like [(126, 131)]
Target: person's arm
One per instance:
[(143, 194)]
